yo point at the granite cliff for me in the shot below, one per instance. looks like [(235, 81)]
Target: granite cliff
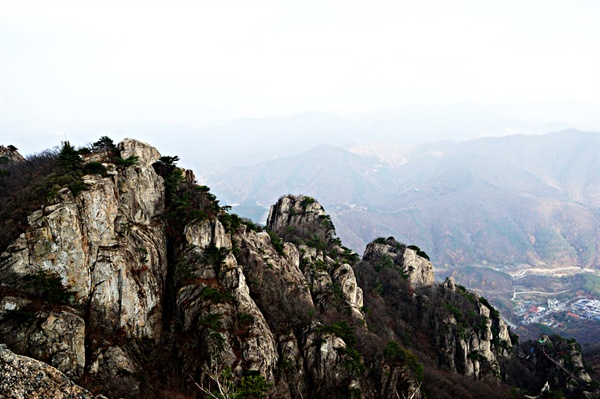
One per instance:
[(131, 281)]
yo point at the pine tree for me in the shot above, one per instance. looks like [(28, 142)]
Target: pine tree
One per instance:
[(69, 157), (106, 145)]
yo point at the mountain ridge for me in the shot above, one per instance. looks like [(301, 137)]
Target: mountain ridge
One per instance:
[(133, 281)]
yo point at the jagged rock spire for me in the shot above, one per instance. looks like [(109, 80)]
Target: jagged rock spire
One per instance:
[(419, 270), (301, 218)]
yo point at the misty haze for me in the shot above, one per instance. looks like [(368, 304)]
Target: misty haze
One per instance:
[(256, 199)]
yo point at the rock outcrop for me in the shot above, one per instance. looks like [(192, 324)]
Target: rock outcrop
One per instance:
[(11, 154), (57, 338), (300, 217), (323, 260), (107, 245), (471, 335), (392, 254), (561, 361), (214, 298), (26, 378)]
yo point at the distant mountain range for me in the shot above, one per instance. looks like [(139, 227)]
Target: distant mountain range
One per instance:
[(504, 201), (244, 142)]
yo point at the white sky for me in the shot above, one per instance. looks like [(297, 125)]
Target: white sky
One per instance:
[(80, 65)]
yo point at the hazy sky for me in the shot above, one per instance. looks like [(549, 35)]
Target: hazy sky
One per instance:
[(72, 66)]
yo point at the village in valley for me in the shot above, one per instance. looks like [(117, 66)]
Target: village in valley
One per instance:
[(554, 312)]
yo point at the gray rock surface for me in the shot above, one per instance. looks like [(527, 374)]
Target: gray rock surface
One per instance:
[(27, 378), (107, 245), (390, 253)]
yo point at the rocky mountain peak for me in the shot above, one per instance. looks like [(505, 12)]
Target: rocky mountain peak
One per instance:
[(10, 153), (326, 264), (301, 217), (145, 153), (413, 262)]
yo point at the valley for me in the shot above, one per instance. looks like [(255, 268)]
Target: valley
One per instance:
[(563, 300)]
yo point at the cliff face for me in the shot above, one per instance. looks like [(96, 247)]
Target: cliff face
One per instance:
[(108, 246), (389, 253), (214, 299), (465, 332), (471, 347), (324, 262), (141, 285)]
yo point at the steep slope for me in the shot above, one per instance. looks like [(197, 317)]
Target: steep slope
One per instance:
[(136, 283)]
